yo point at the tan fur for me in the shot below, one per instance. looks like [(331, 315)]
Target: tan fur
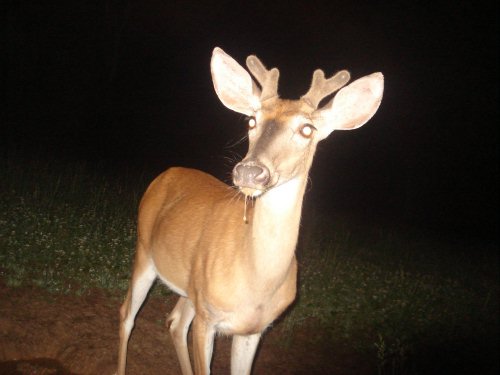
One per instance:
[(222, 247)]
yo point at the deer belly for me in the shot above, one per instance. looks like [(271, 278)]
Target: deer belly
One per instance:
[(174, 288), (166, 271), (245, 321), (169, 281)]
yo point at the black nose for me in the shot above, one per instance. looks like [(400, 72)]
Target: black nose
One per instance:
[(251, 174)]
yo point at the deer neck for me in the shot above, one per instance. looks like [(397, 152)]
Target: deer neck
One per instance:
[(274, 230)]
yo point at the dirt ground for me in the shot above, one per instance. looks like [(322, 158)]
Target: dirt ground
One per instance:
[(43, 333)]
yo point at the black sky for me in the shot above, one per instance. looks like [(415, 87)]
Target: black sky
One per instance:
[(129, 83)]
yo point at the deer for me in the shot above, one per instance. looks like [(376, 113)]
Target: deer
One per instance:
[(229, 251)]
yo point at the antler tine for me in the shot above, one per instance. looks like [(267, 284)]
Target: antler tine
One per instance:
[(268, 79), (321, 87)]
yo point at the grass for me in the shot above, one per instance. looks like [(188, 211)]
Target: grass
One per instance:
[(411, 303), (418, 304), (65, 228)]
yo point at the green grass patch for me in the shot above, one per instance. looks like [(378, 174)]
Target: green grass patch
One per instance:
[(416, 303), (65, 228)]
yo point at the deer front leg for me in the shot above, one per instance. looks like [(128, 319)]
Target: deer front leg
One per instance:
[(242, 353), (203, 343), (178, 323)]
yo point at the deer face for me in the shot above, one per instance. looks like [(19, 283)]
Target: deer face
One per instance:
[(283, 134), (282, 141)]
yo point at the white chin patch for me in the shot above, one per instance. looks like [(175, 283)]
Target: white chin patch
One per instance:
[(251, 192)]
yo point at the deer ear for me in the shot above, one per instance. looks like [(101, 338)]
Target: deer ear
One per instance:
[(233, 84), (352, 107)]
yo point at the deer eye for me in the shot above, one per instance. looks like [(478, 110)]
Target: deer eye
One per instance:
[(307, 130), (252, 123)]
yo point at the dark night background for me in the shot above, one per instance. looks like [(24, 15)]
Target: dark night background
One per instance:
[(128, 84)]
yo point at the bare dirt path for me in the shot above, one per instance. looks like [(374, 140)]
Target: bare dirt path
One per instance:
[(43, 333)]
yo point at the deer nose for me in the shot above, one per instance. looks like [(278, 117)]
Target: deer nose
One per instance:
[(251, 174)]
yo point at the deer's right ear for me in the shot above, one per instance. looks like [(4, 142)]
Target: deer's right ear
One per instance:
[(233, 84)]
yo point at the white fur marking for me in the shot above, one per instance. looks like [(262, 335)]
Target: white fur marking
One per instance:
[(279, 197)]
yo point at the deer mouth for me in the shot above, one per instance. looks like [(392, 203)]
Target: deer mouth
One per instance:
[(251, 191)]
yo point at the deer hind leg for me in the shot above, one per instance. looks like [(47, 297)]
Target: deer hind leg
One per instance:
[(178, 323), (143, 277), (242, 353)]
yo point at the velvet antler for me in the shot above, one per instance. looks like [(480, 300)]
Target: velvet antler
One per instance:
[(267, 79), (321, 87)]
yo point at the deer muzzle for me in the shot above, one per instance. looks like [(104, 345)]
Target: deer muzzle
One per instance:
[(251, 177)]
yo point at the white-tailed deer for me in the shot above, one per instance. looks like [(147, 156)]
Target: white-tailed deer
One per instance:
[(234, 264)]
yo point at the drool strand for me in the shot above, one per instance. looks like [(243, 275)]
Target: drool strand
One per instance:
[(245, 210)]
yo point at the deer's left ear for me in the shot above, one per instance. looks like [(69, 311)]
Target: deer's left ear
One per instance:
[(352, 107), (233, 84)]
